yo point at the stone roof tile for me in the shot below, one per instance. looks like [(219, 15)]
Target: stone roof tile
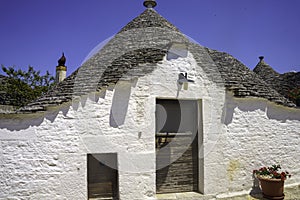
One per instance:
[(149, 18), (243, 82)]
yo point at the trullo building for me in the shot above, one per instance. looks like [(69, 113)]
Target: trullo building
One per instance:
[(150, 113)]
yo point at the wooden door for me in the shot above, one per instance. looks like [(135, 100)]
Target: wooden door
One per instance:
[(176, 146)]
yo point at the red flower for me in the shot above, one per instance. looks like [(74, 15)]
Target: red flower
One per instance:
[(272, 172)]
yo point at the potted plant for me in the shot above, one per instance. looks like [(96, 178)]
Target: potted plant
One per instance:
[(272, 181)]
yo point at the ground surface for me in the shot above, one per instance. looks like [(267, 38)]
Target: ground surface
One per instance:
[(291, 193)]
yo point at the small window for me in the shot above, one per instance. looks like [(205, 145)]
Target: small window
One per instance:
[(102, 176)]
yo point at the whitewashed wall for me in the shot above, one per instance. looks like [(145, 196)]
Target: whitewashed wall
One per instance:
[(256, 133), (44, 156)]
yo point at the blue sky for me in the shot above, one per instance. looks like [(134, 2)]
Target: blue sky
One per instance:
[(36, 32)]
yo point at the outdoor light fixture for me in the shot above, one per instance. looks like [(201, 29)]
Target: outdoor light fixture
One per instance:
[(182, 78)]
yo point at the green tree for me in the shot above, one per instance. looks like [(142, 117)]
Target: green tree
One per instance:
[(23, 86), (294, 95)]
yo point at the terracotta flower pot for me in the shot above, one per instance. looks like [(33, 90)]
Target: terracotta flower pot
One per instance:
[(272, 188)]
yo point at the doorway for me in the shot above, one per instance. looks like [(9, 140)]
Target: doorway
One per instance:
[(176, 146)]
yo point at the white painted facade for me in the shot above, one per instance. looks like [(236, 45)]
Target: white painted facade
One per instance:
[(44, 156)]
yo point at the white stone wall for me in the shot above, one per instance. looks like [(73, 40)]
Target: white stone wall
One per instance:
[(256, 133), (45, 156)]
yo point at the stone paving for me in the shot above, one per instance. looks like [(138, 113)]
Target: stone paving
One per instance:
[(183, 196), (291, 193)]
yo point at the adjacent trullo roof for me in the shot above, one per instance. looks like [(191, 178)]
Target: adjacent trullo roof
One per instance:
[(283, 83), (153, 34)]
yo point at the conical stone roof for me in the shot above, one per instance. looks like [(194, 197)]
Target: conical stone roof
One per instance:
[(282, 83), (146, 39), (265, 70)]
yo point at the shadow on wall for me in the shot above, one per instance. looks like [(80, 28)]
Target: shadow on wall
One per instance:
[(256, 191), (22, 121), (282, 114), (17, 122), (273, 111), (119, 107), (120, 103)]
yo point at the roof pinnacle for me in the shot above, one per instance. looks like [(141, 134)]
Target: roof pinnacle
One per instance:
[(261, 58), (150, 3)]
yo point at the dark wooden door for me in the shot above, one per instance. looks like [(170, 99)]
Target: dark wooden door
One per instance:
[(177, 147)]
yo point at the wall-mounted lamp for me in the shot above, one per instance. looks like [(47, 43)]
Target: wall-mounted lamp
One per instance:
[(182, 78)]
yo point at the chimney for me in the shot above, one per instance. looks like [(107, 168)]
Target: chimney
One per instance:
[(61, 69)]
